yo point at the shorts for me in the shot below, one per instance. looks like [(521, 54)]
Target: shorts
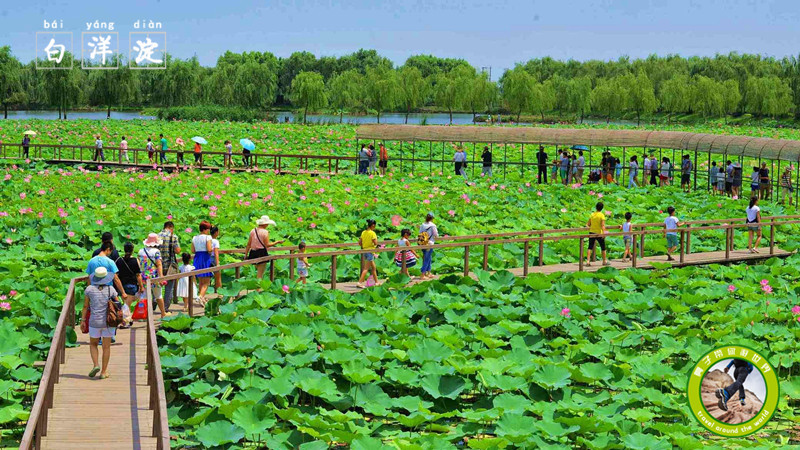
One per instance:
[(663, 177), (728, 186), (102, 332), (563, 173), (672, 240), (754, 186), (599, 240), (764, 185), (626, 239), (302, 272), (720, 185), (685, 178), (753, 226), (383, 163), (369, 256), (130, 289)]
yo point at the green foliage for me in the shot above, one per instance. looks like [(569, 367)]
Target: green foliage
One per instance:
[(383, 91), (308, 92), (345, 91)]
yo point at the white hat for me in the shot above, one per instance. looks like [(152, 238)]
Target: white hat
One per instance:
[(265, 220), (101, 276), (152, 240)]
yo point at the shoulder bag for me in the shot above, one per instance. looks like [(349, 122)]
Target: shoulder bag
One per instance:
[(258, 252), (114, 316)]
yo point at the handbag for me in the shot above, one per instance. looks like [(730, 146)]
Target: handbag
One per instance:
[(114, 311)]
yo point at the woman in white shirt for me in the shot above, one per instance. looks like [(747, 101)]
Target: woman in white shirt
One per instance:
[(753, 225), (201, 247)]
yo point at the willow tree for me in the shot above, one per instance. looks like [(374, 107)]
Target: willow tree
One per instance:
[(412, 89), (382, 89), (518, 86), (641, 95), (609, 97), (675, 96), (308, 91), (10, 86), (345, 91), (479, 93)]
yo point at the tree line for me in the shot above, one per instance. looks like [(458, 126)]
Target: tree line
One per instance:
[(366, 82)]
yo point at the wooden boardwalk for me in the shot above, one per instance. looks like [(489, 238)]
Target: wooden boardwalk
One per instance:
[(690, 259)]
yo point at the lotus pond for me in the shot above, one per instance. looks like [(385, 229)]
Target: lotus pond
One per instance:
[(51, 217)]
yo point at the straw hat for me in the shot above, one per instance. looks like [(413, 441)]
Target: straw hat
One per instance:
[(101, 276), (152, 240), (265, 220)]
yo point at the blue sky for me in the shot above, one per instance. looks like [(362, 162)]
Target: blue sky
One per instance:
[(494, 33)]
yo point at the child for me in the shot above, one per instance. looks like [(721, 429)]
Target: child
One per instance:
[(302, 264), (410, 255), (627, 237), (671, 224), (183, 283)]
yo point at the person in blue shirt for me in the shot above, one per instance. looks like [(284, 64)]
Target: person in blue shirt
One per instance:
[(741, 370), (102, 260), (164, 148)]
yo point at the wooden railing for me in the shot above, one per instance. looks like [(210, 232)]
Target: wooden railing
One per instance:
[(36, 427), (638, 235)]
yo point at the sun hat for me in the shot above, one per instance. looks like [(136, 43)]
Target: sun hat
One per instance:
[(101, 276), (265, 220), (152, 240)]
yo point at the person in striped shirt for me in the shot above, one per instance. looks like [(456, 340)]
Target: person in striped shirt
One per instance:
[(786, 185)]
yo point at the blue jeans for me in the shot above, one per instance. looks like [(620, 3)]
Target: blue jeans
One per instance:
[(632, 182), (163, 156), (427, 260)]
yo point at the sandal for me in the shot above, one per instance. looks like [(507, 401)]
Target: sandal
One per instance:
[(103, 377), (93, 372)]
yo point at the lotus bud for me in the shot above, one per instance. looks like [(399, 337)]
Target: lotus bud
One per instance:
[(311, 314), (752, 323), (319, 348)]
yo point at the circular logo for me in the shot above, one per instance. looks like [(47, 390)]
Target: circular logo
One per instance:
[(733, 391)]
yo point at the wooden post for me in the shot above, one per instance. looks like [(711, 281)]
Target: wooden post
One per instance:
[(633, 251), (291, 266), (541, 249), (190, 299), (689, 235), (772, 237), (728, 242), (641, 245), (580, 255), (525, 259), (485, 256), (466, 260), (238, 272), (272, 270), (333, 272), (683, 240)]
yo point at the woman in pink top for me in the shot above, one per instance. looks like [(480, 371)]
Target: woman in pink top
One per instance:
[(258, 243)]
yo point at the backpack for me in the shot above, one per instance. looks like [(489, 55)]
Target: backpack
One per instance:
[(423, 238)]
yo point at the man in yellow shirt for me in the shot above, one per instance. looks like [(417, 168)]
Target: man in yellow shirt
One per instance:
[(597, 226), (368, 241)]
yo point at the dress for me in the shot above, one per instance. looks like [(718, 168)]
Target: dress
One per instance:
[(183, 283), (202, 258)]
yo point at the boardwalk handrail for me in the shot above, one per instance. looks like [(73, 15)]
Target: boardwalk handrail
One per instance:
[(155, 379), (729, 225), (36, 428)]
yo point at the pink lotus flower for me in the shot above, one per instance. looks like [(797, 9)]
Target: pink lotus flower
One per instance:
[(796, 310), (188, 230), (539, 193), (22, 195), (299, 219), (12, 293), (5, 306), (396, 220), (451, 212), (312, 225), (565, 312), (764, 282), (99, 221), (731, 288), (285, 288), (767, 289), (71, 233), (563, 210)]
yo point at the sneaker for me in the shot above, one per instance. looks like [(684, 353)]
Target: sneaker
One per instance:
[(741, 401), (723, 399)]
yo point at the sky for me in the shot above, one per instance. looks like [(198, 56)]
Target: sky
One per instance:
[(487, 33)]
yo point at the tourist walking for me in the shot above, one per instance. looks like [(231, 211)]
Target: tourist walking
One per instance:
[(201, 247), (686, 173), (573, 170), (180, 147), (671, 224), (95, 310), (373, 159), (764, 185), (541, 165), (164, 148), (729, 178), (151, 265), (736, 188), (581, 166), (246, 155), (198, 154), (753, 225), (103, 258), (151, 151), (486, 159), (460, 162), (713, 173), (634, 172), (554, 169), (130, 274), (368, 241), (564, 167), (721, 176), (228, 158), (627, 238), (26, 142), (258, 243), (428, 233), (383, 163), (597, 231), (185, 288), (645, 169), (653, 170), (363, 159), (618, 170), (107, 237), (123, 148), (786, 185), (302, 264), (98, 150), (410, 256), (170, 249), (666, 170), (755, 177)]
